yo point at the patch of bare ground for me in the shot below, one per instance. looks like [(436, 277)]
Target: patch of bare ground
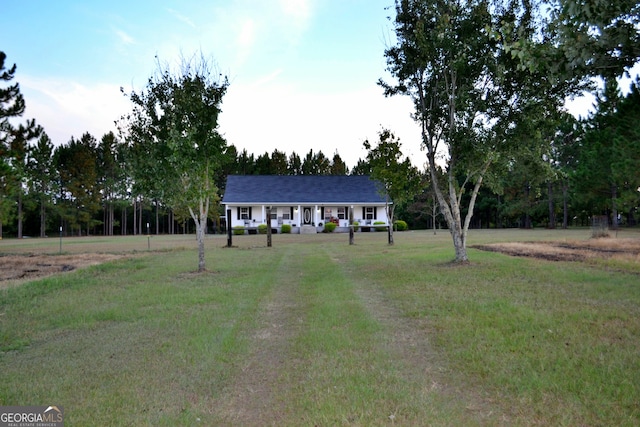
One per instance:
[(621, 249), (18, 269), (250, 400)]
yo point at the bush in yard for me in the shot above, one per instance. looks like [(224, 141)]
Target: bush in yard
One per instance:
[(379, 223), (262, 228), (238, 230), (400, 225), (329, 227), (285, 229), (356, 225)]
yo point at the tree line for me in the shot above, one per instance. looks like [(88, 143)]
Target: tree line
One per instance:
[(86, 186)]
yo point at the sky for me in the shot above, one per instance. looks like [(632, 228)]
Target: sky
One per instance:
[(303, 73)]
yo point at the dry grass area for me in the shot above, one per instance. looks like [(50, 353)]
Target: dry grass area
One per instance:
[(17, 269), (627, 249)]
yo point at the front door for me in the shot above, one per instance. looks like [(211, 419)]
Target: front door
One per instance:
[(307, 216)]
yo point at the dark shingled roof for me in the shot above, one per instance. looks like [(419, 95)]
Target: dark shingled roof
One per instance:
[(294, 189)]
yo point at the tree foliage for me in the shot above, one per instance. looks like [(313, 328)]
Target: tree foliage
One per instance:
[(400, 179), (174, 139)]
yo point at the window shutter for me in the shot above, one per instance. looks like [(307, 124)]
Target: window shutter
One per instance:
[(238, 212), (291, 215), (364, 213), (375, 212), (322, 213), (250, 217)]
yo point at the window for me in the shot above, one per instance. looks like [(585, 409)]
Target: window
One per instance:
[(286, 213), (369, 213), (274, 214), (327, 214), (244, 213), (341, 213)]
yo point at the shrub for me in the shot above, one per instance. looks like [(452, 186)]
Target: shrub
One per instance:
[(356, 225), (285, 228), (262, 228), (400, 225), (329, 227), (238, 230), (379, 228)]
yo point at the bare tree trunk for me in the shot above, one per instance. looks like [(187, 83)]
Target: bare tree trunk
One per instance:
[(123, 222), (565, 206), (20, 213), (614, 206), (200, 221), (552, 206), (135, 217), (390, 213), (43, 218), (140, 229)]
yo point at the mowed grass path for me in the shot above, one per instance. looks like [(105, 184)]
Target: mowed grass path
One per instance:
[(316, 332)]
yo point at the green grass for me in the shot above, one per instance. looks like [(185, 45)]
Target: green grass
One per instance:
[(316, 332)]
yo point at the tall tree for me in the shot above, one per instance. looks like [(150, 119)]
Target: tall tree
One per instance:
[(400, 179), (13, 144), (596, 38), (451, 58), (338, 166), (110, 176), (42, 176), (316, 164), (294, 164), (18, 138), (606, 172), (176, 120), (76, 163), (279, 163)]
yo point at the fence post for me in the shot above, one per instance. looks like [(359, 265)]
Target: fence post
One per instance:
[(229, 238), (351, 225), (268, 226)]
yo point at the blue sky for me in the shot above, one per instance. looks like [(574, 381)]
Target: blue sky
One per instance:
[(303, 73)]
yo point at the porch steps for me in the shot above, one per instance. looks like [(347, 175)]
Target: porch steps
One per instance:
[(308, 229)]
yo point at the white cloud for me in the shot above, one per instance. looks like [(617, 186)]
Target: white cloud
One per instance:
[(271, 116), (182, 18), (124, 37), (297, 12), (68, 109), (247, 35)]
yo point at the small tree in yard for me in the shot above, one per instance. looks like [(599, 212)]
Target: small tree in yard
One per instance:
[(401, 180), (173, 127)]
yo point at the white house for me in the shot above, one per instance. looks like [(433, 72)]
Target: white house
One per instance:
[(306, 202)]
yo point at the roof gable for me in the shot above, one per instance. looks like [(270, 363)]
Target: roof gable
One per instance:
[(294, 189)]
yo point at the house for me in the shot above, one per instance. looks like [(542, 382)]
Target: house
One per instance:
[(306, 202)]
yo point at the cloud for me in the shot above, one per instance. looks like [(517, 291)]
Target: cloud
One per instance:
[(124, 37), (275, 115), (297, 12), (67, 108), (182, 18), (247, 35)]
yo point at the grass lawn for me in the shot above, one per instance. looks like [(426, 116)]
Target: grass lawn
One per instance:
[(313, 331)]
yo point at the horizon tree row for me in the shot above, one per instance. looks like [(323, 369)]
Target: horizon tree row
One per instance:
[(88, 186)]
